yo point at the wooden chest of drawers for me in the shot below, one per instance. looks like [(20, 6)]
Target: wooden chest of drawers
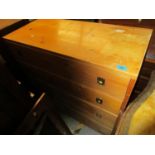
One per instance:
[(149, 60), (91, 68)]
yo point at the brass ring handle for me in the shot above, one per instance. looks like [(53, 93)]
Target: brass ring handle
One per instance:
[(99, 100), (100, 81)]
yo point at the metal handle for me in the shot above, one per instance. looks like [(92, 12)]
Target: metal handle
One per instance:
[(99, 100), (100, 81), (99, 115)]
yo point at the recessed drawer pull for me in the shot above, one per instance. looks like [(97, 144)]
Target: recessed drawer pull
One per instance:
[(99, 100), (98, 115), (100, 81)]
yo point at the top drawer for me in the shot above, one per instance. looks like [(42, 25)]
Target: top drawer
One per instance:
[(103, 79)]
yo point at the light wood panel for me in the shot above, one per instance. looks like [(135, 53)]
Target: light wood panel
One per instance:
[(97, 115), (83, 61), (108, 102), (100, 44), (86, 120), (78, 71)]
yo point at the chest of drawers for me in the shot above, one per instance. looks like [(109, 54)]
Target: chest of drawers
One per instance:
[(91, 68)]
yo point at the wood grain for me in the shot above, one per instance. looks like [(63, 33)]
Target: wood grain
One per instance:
[(86, 120), (95, 114), (78, 71), (100, 115), (48, 79), (90, 42), (71, 56)]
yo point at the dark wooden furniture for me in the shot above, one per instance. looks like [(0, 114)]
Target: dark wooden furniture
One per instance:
[(8, 87), (43, 109), (8, 25), (15, 105), (20, 113), (83, 63)]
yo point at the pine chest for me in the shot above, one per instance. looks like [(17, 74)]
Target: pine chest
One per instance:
[(91, 67)]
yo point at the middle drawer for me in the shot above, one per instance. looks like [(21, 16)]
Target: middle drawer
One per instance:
[(99, 115), (93, 96), (113, 82)]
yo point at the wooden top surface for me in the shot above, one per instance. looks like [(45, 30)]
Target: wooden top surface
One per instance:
[(120, 48), (7, 22)]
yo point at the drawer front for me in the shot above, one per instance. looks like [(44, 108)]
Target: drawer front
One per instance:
[(99, 115), (85, 119), (95, 97), (112, 82)]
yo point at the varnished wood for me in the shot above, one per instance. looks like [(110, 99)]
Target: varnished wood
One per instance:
[(82, 106), (109, 103), (150, 54), (97, 115), (29, 122), (90, 42), (85, 119), (43, 106), (77, 53), (78, 71), (144, 23)]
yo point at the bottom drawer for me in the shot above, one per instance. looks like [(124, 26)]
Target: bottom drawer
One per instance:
[(85, 120), (92, 113)]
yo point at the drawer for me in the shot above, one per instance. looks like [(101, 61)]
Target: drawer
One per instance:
[(96, 114), (85, 119), (112, 82), (60, 84)]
